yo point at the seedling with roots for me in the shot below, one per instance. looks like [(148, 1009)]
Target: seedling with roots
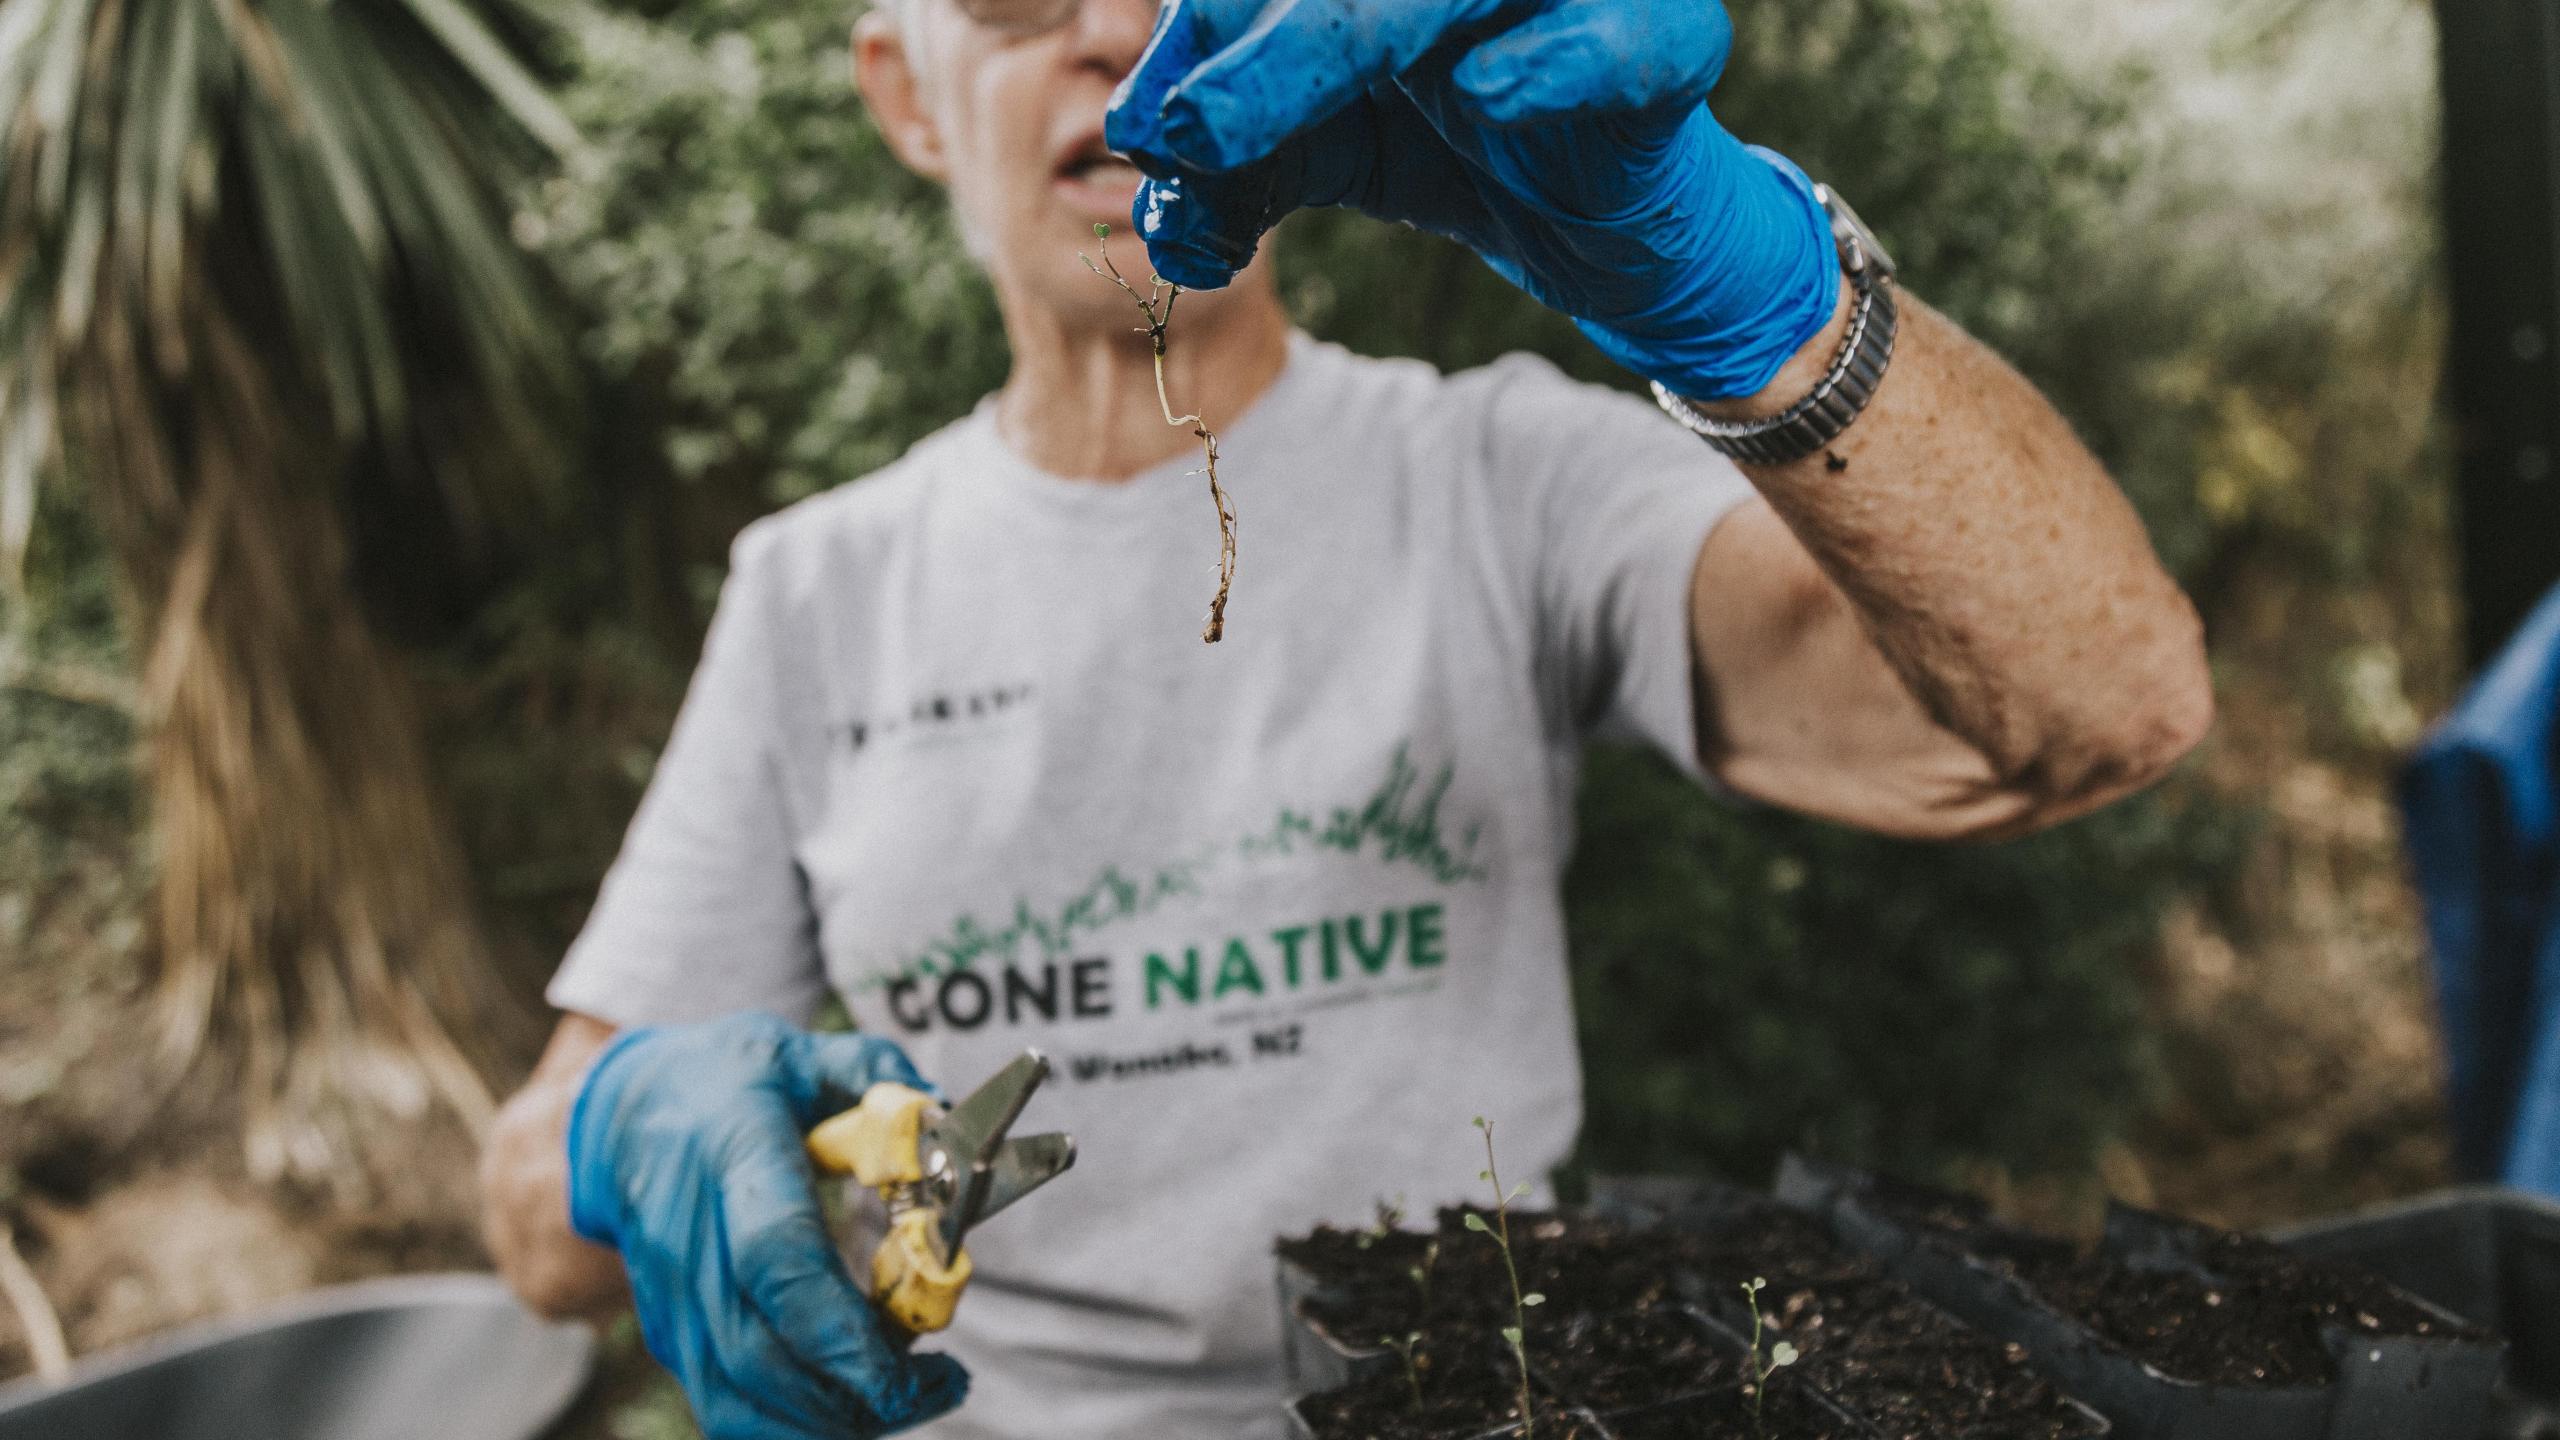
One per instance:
[(1500, 1233), (1157, 306), (1778, 1357)]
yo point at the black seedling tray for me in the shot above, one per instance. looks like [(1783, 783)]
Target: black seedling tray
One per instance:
[(2386, 1387), (1705, 1207), (2490, 1256), (1319, 1360)]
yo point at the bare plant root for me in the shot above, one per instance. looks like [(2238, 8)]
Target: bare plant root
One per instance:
[(1157, 306)]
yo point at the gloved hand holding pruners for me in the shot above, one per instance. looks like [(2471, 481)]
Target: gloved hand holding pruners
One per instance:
[(1568, 142), (686, 1155)]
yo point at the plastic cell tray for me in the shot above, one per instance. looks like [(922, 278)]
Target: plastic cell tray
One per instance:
[(2492, 1257), (2385, 1388)]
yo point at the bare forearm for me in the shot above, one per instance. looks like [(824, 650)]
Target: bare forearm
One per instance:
[(524, 1175), (1999, 574)]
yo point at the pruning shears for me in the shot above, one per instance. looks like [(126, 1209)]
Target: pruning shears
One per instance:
[(942, 1172)]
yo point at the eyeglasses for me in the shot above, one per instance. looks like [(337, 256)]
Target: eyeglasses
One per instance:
[(1019, 17)]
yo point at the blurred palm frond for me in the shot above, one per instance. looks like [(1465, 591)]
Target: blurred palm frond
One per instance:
[(253, 252)]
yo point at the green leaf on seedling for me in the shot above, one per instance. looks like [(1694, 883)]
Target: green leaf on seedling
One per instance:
[(1782, 1355), (1476, 1223), (1101, 232), (1520, 1189), (1511, 1333), (1533, 1298)]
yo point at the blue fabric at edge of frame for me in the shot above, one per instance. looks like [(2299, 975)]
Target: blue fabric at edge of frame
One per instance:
[(2481, 799)]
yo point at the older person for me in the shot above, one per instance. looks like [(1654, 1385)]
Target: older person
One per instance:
[(1286, 909)]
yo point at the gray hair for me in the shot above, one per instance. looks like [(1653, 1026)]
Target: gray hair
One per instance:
[(902, 13)]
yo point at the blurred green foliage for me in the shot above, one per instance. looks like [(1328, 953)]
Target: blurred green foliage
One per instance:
[(771, 307), (1751, 982), (742, 239)]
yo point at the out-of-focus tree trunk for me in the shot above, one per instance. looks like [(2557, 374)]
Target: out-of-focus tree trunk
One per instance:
[(315, 920)]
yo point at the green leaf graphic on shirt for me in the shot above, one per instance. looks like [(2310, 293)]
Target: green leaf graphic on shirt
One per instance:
[(1401, 829), (1399, 824), (1111, 897)]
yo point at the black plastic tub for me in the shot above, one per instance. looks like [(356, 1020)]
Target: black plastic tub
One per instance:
[(2384, 1387), (2492, 1257), (434, 1357)]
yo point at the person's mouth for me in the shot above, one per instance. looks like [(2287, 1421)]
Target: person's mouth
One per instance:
[(1093, 180)]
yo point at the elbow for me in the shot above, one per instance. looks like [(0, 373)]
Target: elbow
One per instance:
[(2170, 710), (2184, 716), (2155, 715)]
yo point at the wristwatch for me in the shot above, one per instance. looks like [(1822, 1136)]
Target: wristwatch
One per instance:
[(1805, 427)]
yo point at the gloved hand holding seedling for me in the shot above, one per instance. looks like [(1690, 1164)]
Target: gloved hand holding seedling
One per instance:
[(1566, 141), (1157, 306)]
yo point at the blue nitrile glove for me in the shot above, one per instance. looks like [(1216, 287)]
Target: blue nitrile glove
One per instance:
[(685, 1154), (1568, 142)]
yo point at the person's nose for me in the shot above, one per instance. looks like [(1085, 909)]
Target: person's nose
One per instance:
[(1109, 35)]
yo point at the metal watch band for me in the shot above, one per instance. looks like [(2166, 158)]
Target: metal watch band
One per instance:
[(1806, 427)]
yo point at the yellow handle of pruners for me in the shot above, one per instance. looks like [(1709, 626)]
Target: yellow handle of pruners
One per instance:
[(915, 1288), (879, 1144)]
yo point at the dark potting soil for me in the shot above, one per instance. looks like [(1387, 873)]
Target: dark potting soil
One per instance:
[(2255, 1315), (1467, 1387), (1620, 1329), (1382, 1407), (1612, 1325), (1611, 1330), (1368, 1280), (1727, 1415), (1878, 1349)]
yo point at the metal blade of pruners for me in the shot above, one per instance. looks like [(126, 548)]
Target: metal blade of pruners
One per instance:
[(969, 1158)]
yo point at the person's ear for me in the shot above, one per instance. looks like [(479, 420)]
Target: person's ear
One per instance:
[(886, 75)]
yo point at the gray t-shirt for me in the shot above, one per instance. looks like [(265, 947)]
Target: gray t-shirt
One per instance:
[(1283, 910)]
